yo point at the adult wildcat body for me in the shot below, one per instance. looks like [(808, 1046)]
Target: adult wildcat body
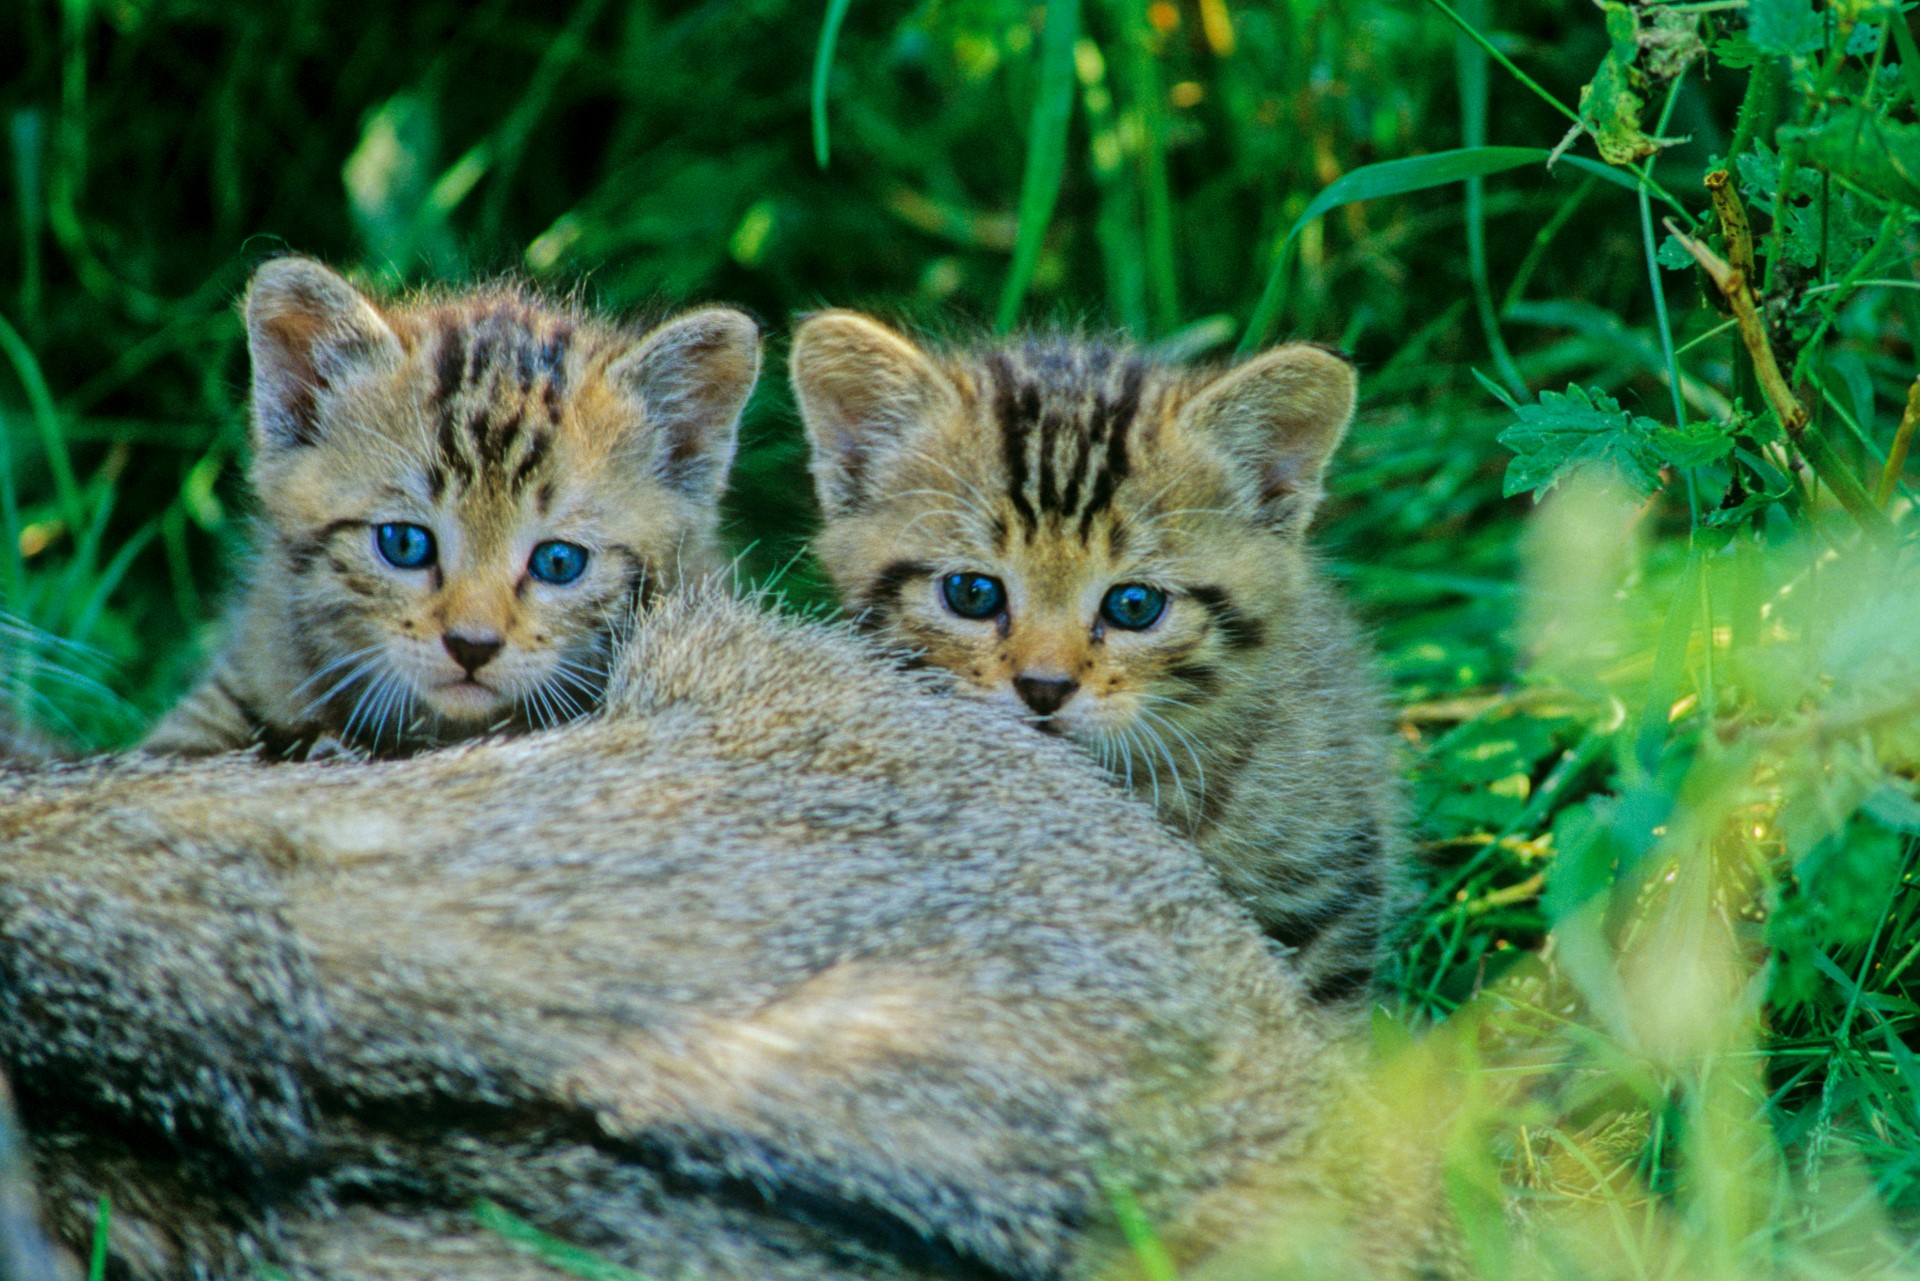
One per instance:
[(771, 970)]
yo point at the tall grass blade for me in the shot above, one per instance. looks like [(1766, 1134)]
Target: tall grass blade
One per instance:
[(1398, 178), (1471, 61), (1150, 101), (1046, 153), (102, 1233), (1473, 34), (558, 1254), (46, 419), (822, 70), (28, 199)]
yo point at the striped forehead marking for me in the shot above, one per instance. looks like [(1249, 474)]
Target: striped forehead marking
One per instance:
[(1065, 413), (492, 372)]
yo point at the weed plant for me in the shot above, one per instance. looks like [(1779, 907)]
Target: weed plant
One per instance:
[(1634, 295)]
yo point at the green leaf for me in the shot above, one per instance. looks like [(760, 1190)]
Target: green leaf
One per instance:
[(1046, 153), (1695, 445), (1673, 255), (1880, 155), (1760, 177), (1399, 178), (1610, 106), (1737, 53), (1563, 433), (1610, 109), (1742, 503), (1784, 27)]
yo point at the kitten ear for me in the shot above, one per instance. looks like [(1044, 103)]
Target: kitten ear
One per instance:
[(307, 329), (692, 377), (1282, 413), (859, 385)]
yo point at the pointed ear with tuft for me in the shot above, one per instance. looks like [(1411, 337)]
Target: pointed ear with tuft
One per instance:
[(860, 385), (307, 330), (691, 378), (1282, 414)]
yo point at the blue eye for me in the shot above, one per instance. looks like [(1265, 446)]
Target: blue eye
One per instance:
[(557, 563), (404, 546), (973, 595), (1133, 606)]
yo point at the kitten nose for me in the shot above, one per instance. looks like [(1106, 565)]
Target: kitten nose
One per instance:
[(1045, 694), (471, 651)]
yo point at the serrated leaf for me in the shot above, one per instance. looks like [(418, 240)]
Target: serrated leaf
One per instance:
[(1737, 52), (1760, 177), (1695, 445), (1881, 155), (1784, 27), (1563, 433)]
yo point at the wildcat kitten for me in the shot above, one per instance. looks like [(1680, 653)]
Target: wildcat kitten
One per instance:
[(462, 498), (1117, 548)]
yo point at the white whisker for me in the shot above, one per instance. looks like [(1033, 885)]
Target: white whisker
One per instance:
[(353, 657), (360, 670)]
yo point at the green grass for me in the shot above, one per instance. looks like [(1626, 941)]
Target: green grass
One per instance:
[(1661, 728)]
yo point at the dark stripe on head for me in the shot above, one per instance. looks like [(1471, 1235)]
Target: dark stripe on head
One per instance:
[(553, 355), (1013, 406), (302, 552), (886, 585), (1077, 472), (492, 439), (1050, 428), (526, 359), (450, 369), (1116, 419), (486, 341), (1235, 628), (449, 453), (530, 460)]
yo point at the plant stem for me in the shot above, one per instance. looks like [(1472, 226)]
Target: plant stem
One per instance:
[(1827, 465), (1897, 455)]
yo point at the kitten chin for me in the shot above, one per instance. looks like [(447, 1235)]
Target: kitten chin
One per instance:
[(463, 499), (1118, 547)]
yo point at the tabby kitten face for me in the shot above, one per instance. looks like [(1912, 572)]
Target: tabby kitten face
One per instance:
[(1106, 544), (467, 496)]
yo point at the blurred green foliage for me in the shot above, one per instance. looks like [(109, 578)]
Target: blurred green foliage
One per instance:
[(1662, 730)]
